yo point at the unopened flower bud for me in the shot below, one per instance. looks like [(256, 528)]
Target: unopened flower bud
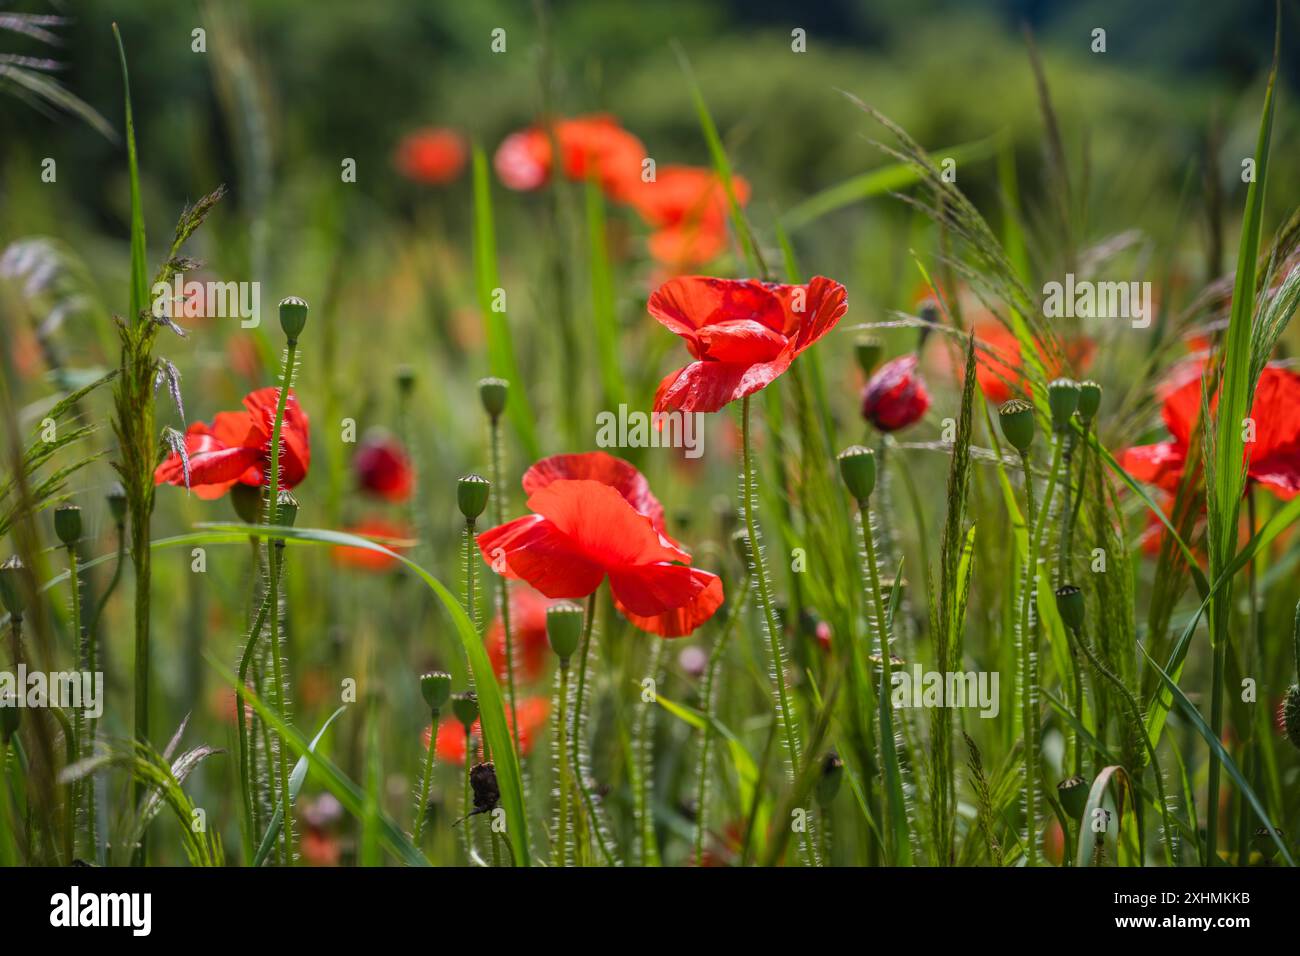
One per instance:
[(67, 524), (858, 469), (1089, 401), (1017, 419), (436, 688), (867, 350), (1073, 794), (117, 503), (10, 717), (828, 784), (13, 585), (465, 707), (293, 317), (564, 629), (493, 392), (405, 379), (286, 509), (1069, 604), (472, 495), (247, 502), (1063, 399)]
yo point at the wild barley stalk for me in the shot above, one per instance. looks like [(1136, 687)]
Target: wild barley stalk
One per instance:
[(784, 714)]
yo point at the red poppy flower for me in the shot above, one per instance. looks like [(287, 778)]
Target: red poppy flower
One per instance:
[(687, 206), (434, 155), (365, 558), (595, 517), (895, 396), (743, 334), (1274, 455), (383, 469), (532, 648), (998, 370), (234, 449), (451, 733), (589, 145)]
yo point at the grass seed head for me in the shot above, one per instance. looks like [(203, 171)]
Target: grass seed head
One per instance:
[(472, 495), (1063, 399), (1017, 419), (67, 524), (858, 469)]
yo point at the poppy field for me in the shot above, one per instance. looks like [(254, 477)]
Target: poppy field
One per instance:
[(627, 445)]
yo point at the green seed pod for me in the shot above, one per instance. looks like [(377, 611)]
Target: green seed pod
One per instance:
[(286, 509), (13, 585), (564, 629), (1063, 399), (405, 380), (436, 688), (67, 524), (472, 495), (10, 717), (867, 350), (293, 317), (1073, 794), (1089, 401), (1291, 715), (1069, 604), (117, 504), (828, 784), (858, 469), (247, 502), (1262, 843), (493, 392), (465, 707), (1017, 419)]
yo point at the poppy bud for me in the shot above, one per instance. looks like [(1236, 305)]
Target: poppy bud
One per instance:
[(405, 379), (564, 629), (493, 392), (740, 541), (1073, 794), (828, 784), (10, 717), (247, 501), (293, 317), (1291, 715), (1262, 842), (472, 495), (858, 469), (286, 509), (465, 707), (13, 574), (1063, 399), (1017, 419), (867, 349), (436, 688), (1089, 401), (895, 396), (1069, 604), (67, 524), (117, 503)]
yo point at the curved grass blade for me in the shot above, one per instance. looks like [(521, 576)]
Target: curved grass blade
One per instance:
[(1087, 837), (296, 780)]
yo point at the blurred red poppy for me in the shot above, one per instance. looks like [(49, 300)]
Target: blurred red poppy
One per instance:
[(591, 146), (532, 648), (594, 516), (743, 334), (451, 733), (383, 469), (895, 396), (234, 449), (687, 207), (1273, 457), (364, 557), (433, 155), (999, 369)]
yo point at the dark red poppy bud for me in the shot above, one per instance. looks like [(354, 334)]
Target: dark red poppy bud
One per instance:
[(383, 468), (858, 469), (117, 504), (564, 629), (895, 396), (465, 707), (13, 585), (493, 392), (67, 524), (1017, 419), (1073, 794), (472, 495), (293, 317), (436, 688)]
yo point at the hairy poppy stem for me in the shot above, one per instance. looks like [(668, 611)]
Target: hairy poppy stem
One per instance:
[(422, 804), (78, 715), (1029, 644), (643, 757), (241, 720), (498, 516), (784, 715), (562, 829), (273, 485), (467, 810), (584, 791)]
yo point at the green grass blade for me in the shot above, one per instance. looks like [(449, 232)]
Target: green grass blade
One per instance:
[(296, 780), (139, 266), (605, 318)]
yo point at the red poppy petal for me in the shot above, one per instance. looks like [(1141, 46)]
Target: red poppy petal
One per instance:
[(523, 160), (1161, 464), (535, 550), (743, 341), (231, 428), (687, 303), (666, 599), (709, 386), (600, 524), (620, 475), (825, 302)]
